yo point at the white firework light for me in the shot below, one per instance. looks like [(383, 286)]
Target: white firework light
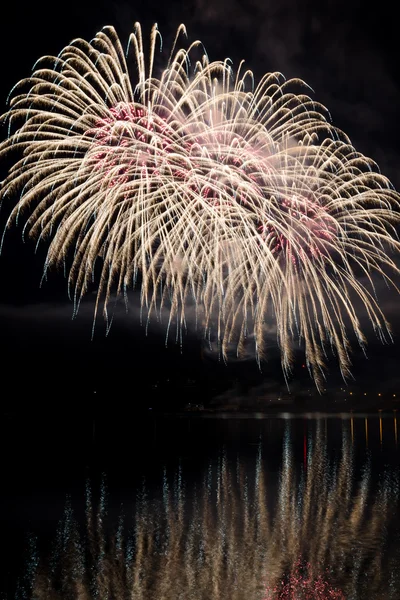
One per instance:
[(205, 190)]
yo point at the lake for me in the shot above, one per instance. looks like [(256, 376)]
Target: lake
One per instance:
[(160, 507)]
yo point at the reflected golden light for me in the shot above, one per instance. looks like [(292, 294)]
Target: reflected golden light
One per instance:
[(236, 535)]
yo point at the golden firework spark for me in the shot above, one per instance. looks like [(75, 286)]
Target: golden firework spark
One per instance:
[(205, 190)]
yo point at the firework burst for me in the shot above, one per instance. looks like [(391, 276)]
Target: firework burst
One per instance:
[(203, 189)]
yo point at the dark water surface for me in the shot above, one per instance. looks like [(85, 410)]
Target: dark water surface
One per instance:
[(181, 508)]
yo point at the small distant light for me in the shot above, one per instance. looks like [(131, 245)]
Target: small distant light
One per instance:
[(365, 393), (379, 394), (394, 395)]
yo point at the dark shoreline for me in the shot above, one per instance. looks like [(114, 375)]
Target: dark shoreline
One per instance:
[(154, 408), (282, 414)]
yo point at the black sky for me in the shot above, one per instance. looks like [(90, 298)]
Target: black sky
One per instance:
[(347, 53)]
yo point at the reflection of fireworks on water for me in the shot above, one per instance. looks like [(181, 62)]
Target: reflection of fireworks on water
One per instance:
[(227, 540), (245, 202), (300, 586)]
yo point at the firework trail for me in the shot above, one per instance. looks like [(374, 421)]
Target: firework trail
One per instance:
[(202, 189), (228, 539)]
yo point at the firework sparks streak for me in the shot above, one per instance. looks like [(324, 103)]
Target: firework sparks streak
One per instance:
[(203, 189)]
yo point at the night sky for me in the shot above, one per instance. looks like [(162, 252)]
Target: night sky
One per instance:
[(345, 52)]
